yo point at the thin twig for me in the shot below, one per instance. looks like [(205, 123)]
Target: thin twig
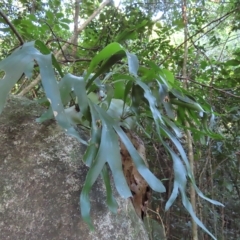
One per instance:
[(204, 85), (205, 55), (84, 25), (77, 60), (220, 55), (69, 43), (75, 30), (64, 47), (222, 18), (12, 27), (157, 213), (57, 41)]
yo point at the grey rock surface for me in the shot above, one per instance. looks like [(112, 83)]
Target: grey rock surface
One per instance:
[(41, 176)]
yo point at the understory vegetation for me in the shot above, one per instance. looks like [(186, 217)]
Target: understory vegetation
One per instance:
[(167, 71)]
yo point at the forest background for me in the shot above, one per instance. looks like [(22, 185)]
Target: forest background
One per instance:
[(196, 46)]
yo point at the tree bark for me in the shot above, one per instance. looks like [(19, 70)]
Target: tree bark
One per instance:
[(188, 132), (75, 31)]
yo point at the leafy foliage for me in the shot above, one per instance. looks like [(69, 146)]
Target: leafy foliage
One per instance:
[(105, 129), (150, 96)]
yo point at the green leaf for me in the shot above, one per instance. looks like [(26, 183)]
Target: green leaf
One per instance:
[(194, 117), (161, 97), (32, 17), (106, 66), (181, 115), (180, 181), (109, 144), (50, 16), (167, 77), (189, 208), (91, 177), (173, 126), (45, 50), (66, 20), (105, 54), (151, 100), (127, 90), (109, 56), (94, 143), (153, 182), (119, 88), (46, 115), (232, 62), (185, 159), (124, 35), (187, 100), (113, 157), (59, 15), (169, 110), (105, 126), (20, 59), (133, 63), (110, 94), (137, 98), (29, 70), (193, 106), (52, 92), (70, 83), (180, 176), (111, 202), (64, 25), (163, 91)]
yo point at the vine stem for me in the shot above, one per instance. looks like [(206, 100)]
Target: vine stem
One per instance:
[(19, 37)]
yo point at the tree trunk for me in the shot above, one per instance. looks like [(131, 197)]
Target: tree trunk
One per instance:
[(188, 132)]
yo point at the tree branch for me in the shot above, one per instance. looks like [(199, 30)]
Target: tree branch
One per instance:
[(12, 27), (222, 18), (69, 43), (57, 40), (83, 26), (187, 123), (75, 31), (30, 86), (64, 47), (76, 60), (211, 87)]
